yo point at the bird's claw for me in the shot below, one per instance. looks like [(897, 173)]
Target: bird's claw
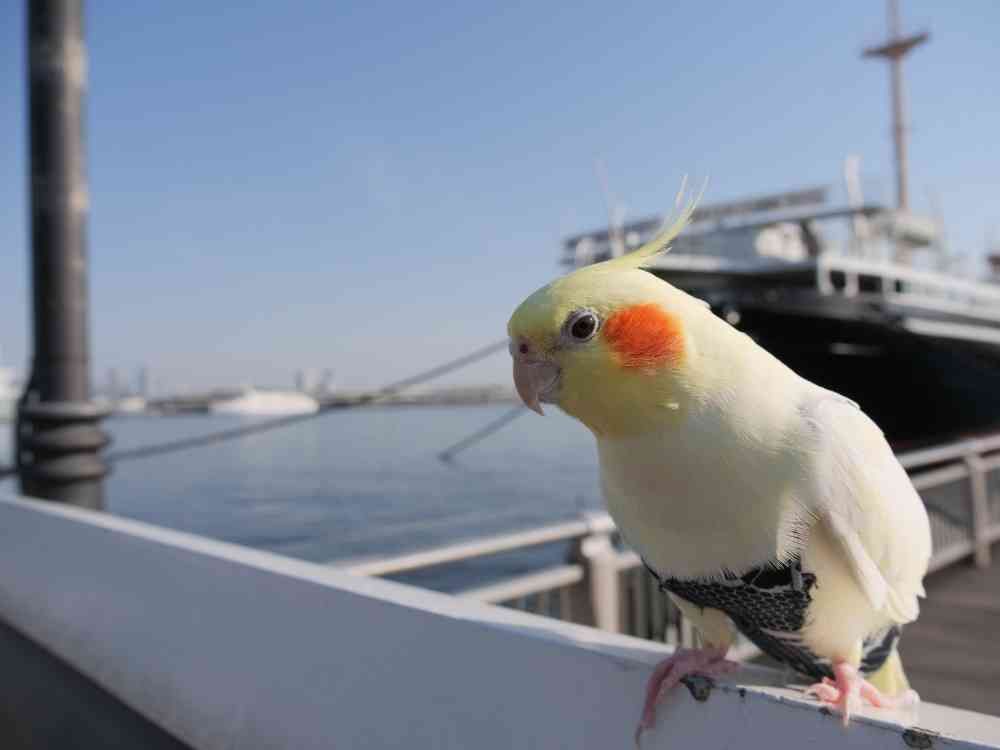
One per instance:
[(710, 662), (849, 691)]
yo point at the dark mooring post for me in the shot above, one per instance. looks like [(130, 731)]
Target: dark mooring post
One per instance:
[(58, 435)]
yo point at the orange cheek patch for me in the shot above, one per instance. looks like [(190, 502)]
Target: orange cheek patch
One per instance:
[(644, 336)]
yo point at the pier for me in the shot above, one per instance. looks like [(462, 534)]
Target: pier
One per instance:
[(155, 638), (141, 636), (951, 653)]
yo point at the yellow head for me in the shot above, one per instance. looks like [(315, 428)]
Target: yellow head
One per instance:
[(610, 343)]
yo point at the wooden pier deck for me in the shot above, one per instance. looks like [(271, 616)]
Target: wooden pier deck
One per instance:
[(952, 653)]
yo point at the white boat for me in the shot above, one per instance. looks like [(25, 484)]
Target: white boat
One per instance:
[(254, 402), (130, 405)]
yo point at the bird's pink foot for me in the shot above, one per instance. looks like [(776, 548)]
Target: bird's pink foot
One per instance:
[(848, 689), (710, 662)]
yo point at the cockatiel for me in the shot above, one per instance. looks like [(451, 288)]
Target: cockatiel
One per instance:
[(757, 498)]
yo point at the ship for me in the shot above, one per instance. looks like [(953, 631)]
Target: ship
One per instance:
[(854, 296), (259, 402)]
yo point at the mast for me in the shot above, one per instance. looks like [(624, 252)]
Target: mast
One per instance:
[(894, 50)]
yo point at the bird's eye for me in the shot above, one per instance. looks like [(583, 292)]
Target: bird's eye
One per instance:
[(582, 325)]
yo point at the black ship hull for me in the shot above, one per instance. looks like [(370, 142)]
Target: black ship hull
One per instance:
[(920, 388)]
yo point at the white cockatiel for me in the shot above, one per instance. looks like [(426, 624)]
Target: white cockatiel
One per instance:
[(757, 498)]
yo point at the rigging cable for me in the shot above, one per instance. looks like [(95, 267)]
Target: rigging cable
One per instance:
[(482, 433)]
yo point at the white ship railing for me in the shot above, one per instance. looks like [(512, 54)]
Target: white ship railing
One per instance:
[(603, 585), (838, 274)]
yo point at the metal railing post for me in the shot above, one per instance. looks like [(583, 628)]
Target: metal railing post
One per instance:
[(601, 577), (980, 514), (823, 281)]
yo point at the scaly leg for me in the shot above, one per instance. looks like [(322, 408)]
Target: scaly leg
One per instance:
[(848, 688), (710, 662)]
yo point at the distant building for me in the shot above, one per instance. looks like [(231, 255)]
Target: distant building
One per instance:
[(327, 385), (994, 261), (115, 387), (142, 382), (307, 380), (314, 381)]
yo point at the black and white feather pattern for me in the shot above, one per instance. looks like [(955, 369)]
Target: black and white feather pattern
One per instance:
[(769, 605)]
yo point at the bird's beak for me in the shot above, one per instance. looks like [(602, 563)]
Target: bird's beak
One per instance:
[(535, 376)]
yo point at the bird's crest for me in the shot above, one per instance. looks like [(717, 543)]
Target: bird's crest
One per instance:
[(643, 255)]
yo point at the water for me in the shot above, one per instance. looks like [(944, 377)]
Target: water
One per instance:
[(358, 483)]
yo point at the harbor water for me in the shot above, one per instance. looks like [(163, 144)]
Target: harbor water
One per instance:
[(360, 483)]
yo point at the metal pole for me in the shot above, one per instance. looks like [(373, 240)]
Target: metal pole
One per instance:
[(894, 50), (898, 111), (58, 435)]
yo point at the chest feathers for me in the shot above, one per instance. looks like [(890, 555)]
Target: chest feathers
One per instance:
[(701, 500)]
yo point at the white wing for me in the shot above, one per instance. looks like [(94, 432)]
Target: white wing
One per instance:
[(856, 485)]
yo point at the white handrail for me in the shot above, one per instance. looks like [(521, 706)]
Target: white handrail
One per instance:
[(226, 647), (889, 273), (601, 523)]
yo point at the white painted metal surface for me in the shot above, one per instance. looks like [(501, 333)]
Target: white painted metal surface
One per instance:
[(228, 647)]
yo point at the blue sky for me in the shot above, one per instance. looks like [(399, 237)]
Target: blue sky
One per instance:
[(372, 187)]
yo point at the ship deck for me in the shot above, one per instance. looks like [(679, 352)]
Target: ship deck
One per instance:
[(951, 654)]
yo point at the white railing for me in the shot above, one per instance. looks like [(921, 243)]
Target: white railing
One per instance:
[(603, 585), (905, 285), (226, 647)]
